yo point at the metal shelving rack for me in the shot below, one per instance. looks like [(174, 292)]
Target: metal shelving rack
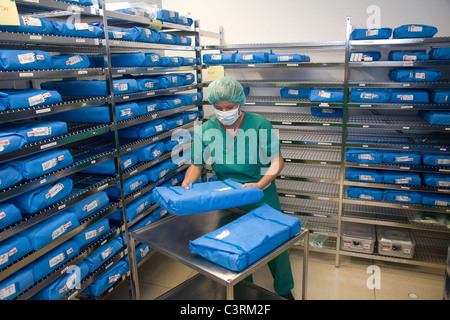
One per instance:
[(81, 135), (312, 185)]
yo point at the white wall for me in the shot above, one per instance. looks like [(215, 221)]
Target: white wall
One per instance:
[(259, 21)]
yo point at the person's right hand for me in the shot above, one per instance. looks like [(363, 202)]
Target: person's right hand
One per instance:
[(185, 185)]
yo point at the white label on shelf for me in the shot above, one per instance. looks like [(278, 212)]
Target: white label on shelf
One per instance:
[(324, 104), (26, 74), (43, 110), (415, 28), (35, 37), (82, 72), (48, 145)]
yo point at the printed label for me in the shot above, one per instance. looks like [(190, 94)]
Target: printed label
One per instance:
[(26, 58), (54, 191), (224, 234)]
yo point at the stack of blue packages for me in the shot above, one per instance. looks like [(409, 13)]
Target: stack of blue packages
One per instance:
[(89, 205), (440, 53), (413, 96), (239, 244), (408, 55), (133, 209), (91, 233), (370, 95), (436, 180), (36, 131), (10, 214), (364, 175), (107, 279), (16, 283), (14, 248), (26, 98), (402, 178), (15, 60), (326, 95), (144, 130), (70, 61), (30, 25), (287, 58), (414, 31), (440, 96), (362, 193), (219, 58), (297, 93), (130, 185), (410, 197), (365, 56), (214, 195), (435, 159), (402, 157), (104, 253), (149, 152), (251, 57), (9, 176), (93, 88), (371, 34), (83, 30), (108, 167), (436, 199), (414, 75), (437, 118), (364, 156)]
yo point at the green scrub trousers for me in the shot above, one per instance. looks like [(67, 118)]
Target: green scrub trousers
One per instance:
[(245, 158)]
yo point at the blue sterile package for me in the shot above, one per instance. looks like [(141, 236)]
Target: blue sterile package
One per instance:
[(370, 95), (402, 96), (159, 171), (188, 78), (371, 34), (133, 209), (251, 57), (68, 281), (108, 167), (16, 283), (440, 53), (192, 98), (219, 58), (436, 180), (9, 176), (166, 15), (189, 116), (10, 214), (441, 118), (130, 185), (141, 251), (123, 34), (364, 175), (364, 56), (171, 61), (402, 178), (167, 38), (171, 81), (440, 96), (402, 196), (214, 195), (408, 55), (414, 75), (89, 205), (79, 88), (402, 157), (183, 41), (36, 131), (45, 232), (326, 95), (149, 106), (83, 30), (298, 93), (4, 101), (43, 163), (54, 259), (40, 198), (436, 199), (93, 232), (185, 21), (414, 31), (435, 159), (239, 244), (188, 61), (147, 35), (362, 193), (287, 58), (107, 279), (11, 141), (149, 152), (134, 59), (13, 248), (26, 98), (327, 112), (144, 130), (104, 253), (178, 138), (14, 60), (70, 61), (80, 2), (30, 25), (174, 121), (364, 156), (145, 84)]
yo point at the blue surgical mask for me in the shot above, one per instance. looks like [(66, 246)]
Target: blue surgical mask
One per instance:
[(227, 117)]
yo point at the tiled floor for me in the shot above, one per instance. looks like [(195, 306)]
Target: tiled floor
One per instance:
[(325, 282)]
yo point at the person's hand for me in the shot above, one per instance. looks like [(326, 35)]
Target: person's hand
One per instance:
[(253, 184), (185, 185)]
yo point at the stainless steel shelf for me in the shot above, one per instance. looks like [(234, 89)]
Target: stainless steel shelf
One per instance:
[(286, 45), (407, 168), (378, 64), (403, 85), (299, 119), (391, 42), (284, 65), (308, 172), (393, 122), (287, 102), (310, 138), (292, 84), (400, 106), (307, 190), (310, 207), (311, 155)]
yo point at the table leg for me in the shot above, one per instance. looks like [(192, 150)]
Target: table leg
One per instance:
[(305, 265), (230, 292)]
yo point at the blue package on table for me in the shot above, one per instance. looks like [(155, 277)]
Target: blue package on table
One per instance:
[(171, 61), (9, 176), (370, 95), (364, 56), (107, 279), (133, 209), (123, 34), (171, 102), (408, 55), (43, 163), (251, 57), (168, 38), (287, 58), (13, 248), (239, 244), (26, 98), (144, 130), (10, 214), (92, 232), (103, 254), (364, 156), (45, 232), (130, 185), (145, 84), (30, 25), (402, 178), (14, 60), (52, 260), (298, 93), (413, 96), (188, 78), (16, 283), (437, 118), (147, 35), (148, 106), (159, 171), (440, 96), (435, 159), (68, 281), (414, 75), (436, 199), (89, 205), (36, 131), (402, 196), (436, 180), (149, 152), (371, 34), (440, 53), (326, 95), (184, 41), (11, 141), (92, 88), (364, 175), (83, 30), (189, 61), (414, 31), (70, 61), (219, 58), (40, 198), (214, 195), (327, 112), (362, 193), (402, 157), (108, 167)]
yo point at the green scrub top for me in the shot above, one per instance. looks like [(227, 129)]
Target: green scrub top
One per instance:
[(244, 158)]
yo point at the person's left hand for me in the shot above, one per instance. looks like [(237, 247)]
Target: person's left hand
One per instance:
[(252, 184)]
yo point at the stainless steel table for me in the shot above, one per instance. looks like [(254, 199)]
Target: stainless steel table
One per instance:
[(171, 237)]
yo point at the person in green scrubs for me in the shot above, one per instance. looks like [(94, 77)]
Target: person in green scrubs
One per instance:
[(243, 147)]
